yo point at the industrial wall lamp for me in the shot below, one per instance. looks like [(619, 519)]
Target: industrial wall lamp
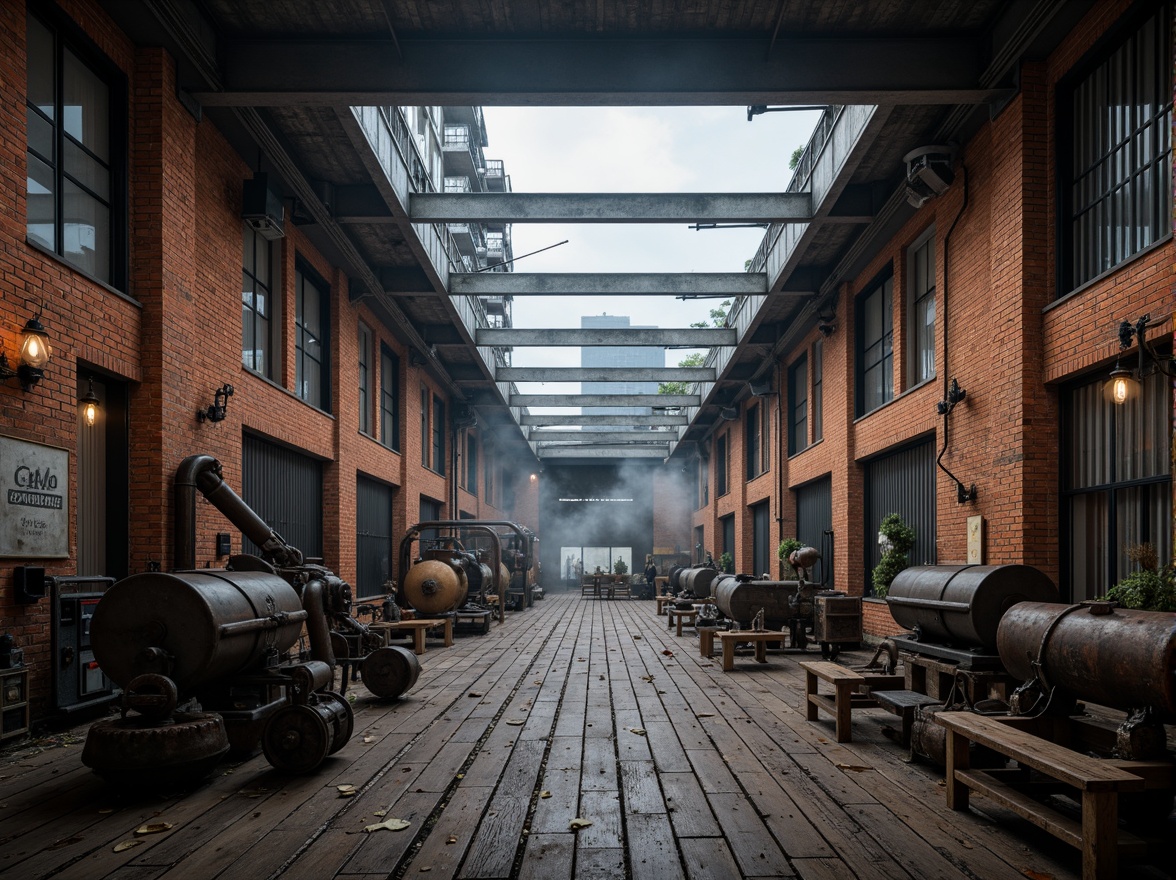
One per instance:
[(215, 411), (35, 352), (1124, 384), (91, 405)]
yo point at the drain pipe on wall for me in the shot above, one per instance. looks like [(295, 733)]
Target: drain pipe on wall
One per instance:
[(952, 392)]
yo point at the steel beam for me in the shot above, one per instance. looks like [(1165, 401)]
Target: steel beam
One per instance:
[(689, 337), (605, 374), (517, 207), (654, 400), (604, 421), (730, 284), (574, 71), (605, 451), (603, 436)]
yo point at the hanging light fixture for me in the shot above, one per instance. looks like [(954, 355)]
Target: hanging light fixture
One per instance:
[(1124, 384), (35, 352), (91, 405)]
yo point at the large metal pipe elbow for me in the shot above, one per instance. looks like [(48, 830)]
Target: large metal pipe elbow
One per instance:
[(191, 469), (314, 604)]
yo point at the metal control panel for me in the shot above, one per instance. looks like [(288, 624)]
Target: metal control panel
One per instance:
[(78, 682)]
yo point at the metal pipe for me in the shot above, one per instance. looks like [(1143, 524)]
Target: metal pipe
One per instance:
[(316, 621), (184, 495), (258, 624)]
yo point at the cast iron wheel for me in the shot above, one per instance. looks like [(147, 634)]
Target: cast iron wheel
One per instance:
[(132, 753), (347, 727), (389, 672), (296, 739)]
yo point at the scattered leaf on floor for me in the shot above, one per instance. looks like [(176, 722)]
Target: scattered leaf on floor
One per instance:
[(1036, 875), (636, 636), (648, 678), (380, 814), (426, 868), (856, 768), (515, 722), (704, 715), (640, 731), (155, 827), (103, 812), (388, 825), (346, 791), (668, 652), (544, 794), (578, 823), (474, 694), (368, 739), (452, 838), (126, 844)]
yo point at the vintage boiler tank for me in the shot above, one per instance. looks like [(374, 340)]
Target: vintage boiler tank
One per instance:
[(962, 605), (435, 586)]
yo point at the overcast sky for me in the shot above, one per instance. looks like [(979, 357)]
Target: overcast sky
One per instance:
[(634, 149)]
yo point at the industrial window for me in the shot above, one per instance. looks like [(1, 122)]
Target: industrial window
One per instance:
[(1116, 481), (818, 389), (471, 464), (921, 284), (311, 323), (75, 111), (721, 466), (365, 381), (1118, 171), (757, 441), (438, 435), (875, 348), (901, 482), (702, 484), (727, 531), (425, 426), (389, 398), (761, 549), (257, 304), (798, 405)]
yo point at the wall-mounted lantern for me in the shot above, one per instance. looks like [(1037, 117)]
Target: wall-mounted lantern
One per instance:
[(35, 352)]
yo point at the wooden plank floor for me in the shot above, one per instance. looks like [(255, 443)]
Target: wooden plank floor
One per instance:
[(577, 708)]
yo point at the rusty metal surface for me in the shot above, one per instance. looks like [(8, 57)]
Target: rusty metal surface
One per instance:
[(390, 672), (741, 600), (963, 604), (1125, 659), (435, 586)]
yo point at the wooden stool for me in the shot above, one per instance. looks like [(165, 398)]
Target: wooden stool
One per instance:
[(845, 697), (706, 639), (662, 602), (904, 704), (677, 614), (759, 638)]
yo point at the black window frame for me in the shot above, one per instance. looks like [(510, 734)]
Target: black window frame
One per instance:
[(365, 343), (438, 425), (722, 484), (265, 342), (389, 398), (920, 345), (818, 380), (798, 401), (67, 35), (303, 275), (878, 353), (1099, 61)]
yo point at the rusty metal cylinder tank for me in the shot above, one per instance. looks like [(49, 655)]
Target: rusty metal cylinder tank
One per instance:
[(741, 600), (1123, 659), (434, 586), (193, 626), (698, 581), (962, 605)]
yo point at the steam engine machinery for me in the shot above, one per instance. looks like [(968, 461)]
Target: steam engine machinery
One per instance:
[(444, 577), (205, 657)]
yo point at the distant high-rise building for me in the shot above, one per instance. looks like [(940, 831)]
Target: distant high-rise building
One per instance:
[(618, 356)]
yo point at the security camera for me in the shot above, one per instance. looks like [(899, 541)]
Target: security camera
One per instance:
[(928, 173)]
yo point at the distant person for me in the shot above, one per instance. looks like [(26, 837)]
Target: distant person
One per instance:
[(650, 572)]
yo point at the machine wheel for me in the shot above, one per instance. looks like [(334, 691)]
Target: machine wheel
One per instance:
[(133, 753), (344, 715), (390, 672), (152, 696), (830, 650), (296, 739)]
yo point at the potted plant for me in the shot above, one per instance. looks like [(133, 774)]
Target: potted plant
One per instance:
[(785, 550), (726, 562), (620, 567), (1149, 587), (896, 539)]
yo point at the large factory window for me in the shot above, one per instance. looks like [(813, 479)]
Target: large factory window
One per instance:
[(438, 435), (312, 322), (389, 398), (76, 151), (921, 297), (258, 306), (761, 535), (727, 531), (818, 408), (721, 466), (702, 484), (285, 488), (364, 342), (1117, 483), (798, 405), (757, 441), (471, 464), (425, 426), (1117, 170), (875, 349)]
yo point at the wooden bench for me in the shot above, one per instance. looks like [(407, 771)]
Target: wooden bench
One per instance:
[(847, 694), (417, 629), (904, 704), (676, 615), (662, 602), (759, 639), (1099, 782), (706, 640)]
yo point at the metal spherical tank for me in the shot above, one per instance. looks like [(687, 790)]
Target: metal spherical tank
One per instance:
[(962, 605), (434, 587), (1120, 658), (192, 625)]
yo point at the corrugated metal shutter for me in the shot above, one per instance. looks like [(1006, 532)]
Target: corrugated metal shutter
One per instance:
[(761, 552), (284, 488), (902, 482), (373, 536), (814, 517)]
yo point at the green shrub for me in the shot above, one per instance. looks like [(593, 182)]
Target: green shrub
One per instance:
[(727, 562), (784, 551), (1146, 589), (901, 539), (620, 567)]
